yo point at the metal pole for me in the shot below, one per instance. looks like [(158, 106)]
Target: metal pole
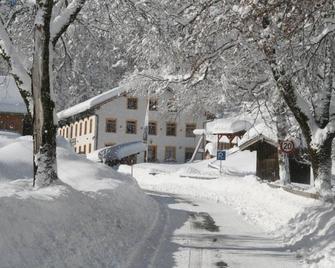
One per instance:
[(220, 167)]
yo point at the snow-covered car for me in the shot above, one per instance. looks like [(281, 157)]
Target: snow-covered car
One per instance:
[(121, 153)]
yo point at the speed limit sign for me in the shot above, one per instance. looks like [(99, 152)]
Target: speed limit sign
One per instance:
[(287, 146)]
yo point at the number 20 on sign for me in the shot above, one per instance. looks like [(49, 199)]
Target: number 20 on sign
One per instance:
[(287, 146)]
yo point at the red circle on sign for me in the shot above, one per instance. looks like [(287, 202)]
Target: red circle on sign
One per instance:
[(287, 146)]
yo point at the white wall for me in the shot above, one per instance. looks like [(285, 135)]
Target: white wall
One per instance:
[(79, 141), (117, 109)]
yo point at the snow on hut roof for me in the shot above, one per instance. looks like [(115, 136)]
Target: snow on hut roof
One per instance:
[(10, 97), (90, 103), (227, 125), (261, 130)]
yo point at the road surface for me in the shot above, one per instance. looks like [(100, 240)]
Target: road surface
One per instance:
[(204, 233)]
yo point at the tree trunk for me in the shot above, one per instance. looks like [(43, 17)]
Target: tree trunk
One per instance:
[(45, 170), (320, 157), (281, 125), (322, 166)]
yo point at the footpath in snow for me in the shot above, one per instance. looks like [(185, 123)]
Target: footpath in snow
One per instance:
[(206, 233)]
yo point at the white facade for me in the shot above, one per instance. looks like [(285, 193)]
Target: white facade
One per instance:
[(81, 134), (107, 125)]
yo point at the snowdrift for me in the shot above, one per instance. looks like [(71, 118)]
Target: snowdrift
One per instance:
[(93, 217), (312, 234)]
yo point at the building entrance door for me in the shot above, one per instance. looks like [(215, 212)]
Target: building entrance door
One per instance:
[(152, 153)]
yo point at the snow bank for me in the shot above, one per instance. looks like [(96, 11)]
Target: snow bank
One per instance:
[(312, 234), (7, 137), (93, 217), (237, 163), (15, 158)]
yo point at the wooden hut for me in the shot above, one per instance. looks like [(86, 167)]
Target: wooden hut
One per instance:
[(267, 167)]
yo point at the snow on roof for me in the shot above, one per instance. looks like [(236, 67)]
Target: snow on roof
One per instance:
[(227, 125), (117, 152), (10, 97), (90, 103), (261, 129)]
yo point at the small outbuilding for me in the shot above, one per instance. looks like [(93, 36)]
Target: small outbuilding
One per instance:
[(225, 133), (13, 111), (265, 143)]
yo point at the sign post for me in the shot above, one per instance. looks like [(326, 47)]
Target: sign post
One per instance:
[(221, 155)]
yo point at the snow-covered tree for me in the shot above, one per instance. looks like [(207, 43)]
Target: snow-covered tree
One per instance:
[(93, 54), (187, 43), (297, 39), (33, 72)]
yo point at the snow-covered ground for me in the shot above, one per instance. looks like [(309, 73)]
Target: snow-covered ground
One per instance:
[(93, 217), (307, 226), (96, 217)]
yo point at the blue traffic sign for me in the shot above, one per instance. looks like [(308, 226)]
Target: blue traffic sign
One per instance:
[(221, 155)]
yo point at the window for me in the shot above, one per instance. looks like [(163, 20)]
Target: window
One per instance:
[(171, 129), (131, 127), (189, 130), (132, 103), (188, 153), (76, 130), (91, 125), (170, 153), (71, 131), (67, 132), (80, 128), (152, 128), (111, 125), (153, 105), (89, 148), (84, 151), (85, 127)]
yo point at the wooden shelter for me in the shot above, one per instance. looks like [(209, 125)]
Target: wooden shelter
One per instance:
[(225, 132), (267, 167), (231, 136)]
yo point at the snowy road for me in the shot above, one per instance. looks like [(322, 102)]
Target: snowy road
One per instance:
[(204, 233)]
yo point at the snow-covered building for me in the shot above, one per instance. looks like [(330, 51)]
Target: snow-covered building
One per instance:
[(263, 139), (116, 117), (225, 133), (12, 106)]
